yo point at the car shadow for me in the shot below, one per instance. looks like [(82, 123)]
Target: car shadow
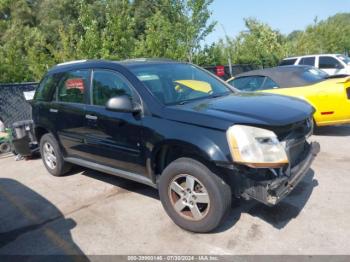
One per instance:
[(278, 216), (332, 131), (123, 183), (31, 225)]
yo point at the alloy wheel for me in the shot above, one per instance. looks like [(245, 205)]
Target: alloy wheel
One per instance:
[(49, 155), (189, 197)]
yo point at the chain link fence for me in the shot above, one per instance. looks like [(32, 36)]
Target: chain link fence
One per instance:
[(13, 104)]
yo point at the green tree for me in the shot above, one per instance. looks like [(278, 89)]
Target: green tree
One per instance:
[(328, 36), (259, 44), (176, 30)]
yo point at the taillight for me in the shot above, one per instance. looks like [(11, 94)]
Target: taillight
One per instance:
[(220, 70), (348, 92)]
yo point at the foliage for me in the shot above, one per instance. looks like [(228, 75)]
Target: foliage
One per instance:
[(37, 34), (261, 45)]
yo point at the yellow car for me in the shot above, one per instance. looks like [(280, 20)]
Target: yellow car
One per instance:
[(329, 95)]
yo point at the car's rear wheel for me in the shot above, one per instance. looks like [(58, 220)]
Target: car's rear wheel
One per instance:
[(52, 156), (5, 147), (195, 198)]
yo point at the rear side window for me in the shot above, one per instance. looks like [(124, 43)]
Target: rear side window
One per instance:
[(46, 88), (312, 75), (269, 84), (248, 83), (288, 62), (329, 62), (307, 61), (73, 86), (107, 84)]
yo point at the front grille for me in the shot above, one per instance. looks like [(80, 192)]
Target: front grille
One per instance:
[(294, 136), (296, 149), (296, 130)]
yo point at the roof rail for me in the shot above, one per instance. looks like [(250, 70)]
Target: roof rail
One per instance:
[(72, 62), (142, 59)]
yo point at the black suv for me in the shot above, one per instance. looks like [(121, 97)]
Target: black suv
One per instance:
[(177, 128)]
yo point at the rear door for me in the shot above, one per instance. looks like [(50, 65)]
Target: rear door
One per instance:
[(113, 138), (309, 60), (71, 97)]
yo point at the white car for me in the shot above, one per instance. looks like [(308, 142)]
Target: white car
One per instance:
[(332, 64)]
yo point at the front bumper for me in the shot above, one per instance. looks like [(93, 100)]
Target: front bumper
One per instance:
[(270, 192)]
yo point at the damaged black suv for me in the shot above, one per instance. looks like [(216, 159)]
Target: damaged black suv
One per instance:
[(177, 128)]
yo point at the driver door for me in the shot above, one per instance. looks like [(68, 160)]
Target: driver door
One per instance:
[(113, 138), (330, 65)]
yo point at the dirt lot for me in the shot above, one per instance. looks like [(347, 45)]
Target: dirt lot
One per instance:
[(91, 213)]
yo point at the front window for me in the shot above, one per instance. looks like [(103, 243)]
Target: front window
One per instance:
[(107, 84), (178, 83), (328, 62)]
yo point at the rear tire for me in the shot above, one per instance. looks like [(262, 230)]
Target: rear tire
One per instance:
[(5, 147), (52, 156), (195, 198)]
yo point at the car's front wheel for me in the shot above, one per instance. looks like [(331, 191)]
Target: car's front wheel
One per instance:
[(52, 156), (195, 198)]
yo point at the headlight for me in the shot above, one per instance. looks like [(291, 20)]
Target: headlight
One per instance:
[(255, 147)]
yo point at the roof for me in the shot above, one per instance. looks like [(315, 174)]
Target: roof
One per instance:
[(94, 62), (295, 57), (283, 76)]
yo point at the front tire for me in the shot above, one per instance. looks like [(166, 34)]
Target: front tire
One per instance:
[(195, 198), (52, 156)]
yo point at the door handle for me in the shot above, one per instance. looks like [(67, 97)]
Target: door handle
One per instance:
[(52, 110), (91, 117)]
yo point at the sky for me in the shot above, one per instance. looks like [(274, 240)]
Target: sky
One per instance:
[(284, 15)]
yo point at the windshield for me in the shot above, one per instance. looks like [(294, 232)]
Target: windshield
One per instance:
[(178, 83), (312, 75), (344, 58)]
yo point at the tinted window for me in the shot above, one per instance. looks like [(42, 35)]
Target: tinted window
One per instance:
[(175, 83), (307, 61), (248, 83), (73, 86), (46, 88), (269, 84), (288, 62), (329, 62), (312, 75), (107, 84)]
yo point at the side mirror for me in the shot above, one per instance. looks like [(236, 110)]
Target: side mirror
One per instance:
[(122, 104)]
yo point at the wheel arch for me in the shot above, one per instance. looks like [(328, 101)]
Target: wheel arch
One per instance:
[(169, 150)]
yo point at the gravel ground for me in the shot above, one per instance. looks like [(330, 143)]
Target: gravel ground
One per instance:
[(91, 213)]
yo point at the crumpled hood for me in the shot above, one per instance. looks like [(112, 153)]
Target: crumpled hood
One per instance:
[(242, 108)]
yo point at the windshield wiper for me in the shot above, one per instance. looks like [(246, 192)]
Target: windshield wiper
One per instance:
[(204, 97), (220, 94)]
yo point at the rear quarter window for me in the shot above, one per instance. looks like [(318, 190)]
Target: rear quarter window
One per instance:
[(288, 62), (46, 88)]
